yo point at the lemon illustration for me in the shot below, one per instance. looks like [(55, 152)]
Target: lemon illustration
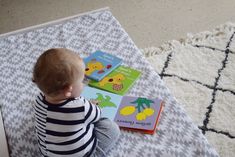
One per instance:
[(148, 111), (128, 110), (141, 116)]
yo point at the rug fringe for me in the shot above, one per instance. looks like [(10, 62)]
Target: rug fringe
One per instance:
[(218, 31), (191, 38)]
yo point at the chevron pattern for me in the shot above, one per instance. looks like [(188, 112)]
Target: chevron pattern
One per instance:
[(177, 135)]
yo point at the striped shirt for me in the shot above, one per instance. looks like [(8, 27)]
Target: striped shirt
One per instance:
[(65, 129)]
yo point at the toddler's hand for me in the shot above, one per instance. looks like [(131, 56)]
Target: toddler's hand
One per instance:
[(85, 81), (94, 101)]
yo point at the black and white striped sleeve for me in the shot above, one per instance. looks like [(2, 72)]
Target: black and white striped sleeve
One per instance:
[(92, 112)]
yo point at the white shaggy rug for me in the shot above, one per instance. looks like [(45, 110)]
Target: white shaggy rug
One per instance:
[(200, 72)]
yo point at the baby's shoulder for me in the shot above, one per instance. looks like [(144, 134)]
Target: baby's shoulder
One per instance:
[(77, 102)]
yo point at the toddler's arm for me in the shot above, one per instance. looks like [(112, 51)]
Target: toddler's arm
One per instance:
[(92, 112)]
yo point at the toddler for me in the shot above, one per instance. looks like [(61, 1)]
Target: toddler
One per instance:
[(66, 123)]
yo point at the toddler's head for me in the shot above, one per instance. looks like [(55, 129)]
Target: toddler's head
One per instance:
[(59, 72)]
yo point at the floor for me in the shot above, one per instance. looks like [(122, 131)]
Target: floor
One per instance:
[(148, 22), (3, 143)]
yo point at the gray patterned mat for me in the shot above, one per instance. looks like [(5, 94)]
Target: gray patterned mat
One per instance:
[(176, 136)]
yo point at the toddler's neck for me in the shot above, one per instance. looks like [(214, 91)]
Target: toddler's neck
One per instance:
[(55, 100)]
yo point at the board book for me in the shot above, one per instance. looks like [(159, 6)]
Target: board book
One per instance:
[(119, 81), (99, 64), (132, 113), (108, 102)]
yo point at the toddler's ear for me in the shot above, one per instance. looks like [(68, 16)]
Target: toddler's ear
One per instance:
[(68, 91)]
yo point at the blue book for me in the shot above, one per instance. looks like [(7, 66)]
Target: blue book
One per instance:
[(99, 64)]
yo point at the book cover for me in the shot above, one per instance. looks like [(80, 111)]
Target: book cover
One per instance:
[(139, 114), (108, 102), (119, 81), (132, 113), (99, 64)]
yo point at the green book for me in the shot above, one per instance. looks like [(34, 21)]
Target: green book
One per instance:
[(119, 81)]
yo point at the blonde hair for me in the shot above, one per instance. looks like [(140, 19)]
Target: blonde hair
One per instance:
[(57, 69)]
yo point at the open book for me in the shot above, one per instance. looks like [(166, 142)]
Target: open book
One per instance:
[(133, 113)]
